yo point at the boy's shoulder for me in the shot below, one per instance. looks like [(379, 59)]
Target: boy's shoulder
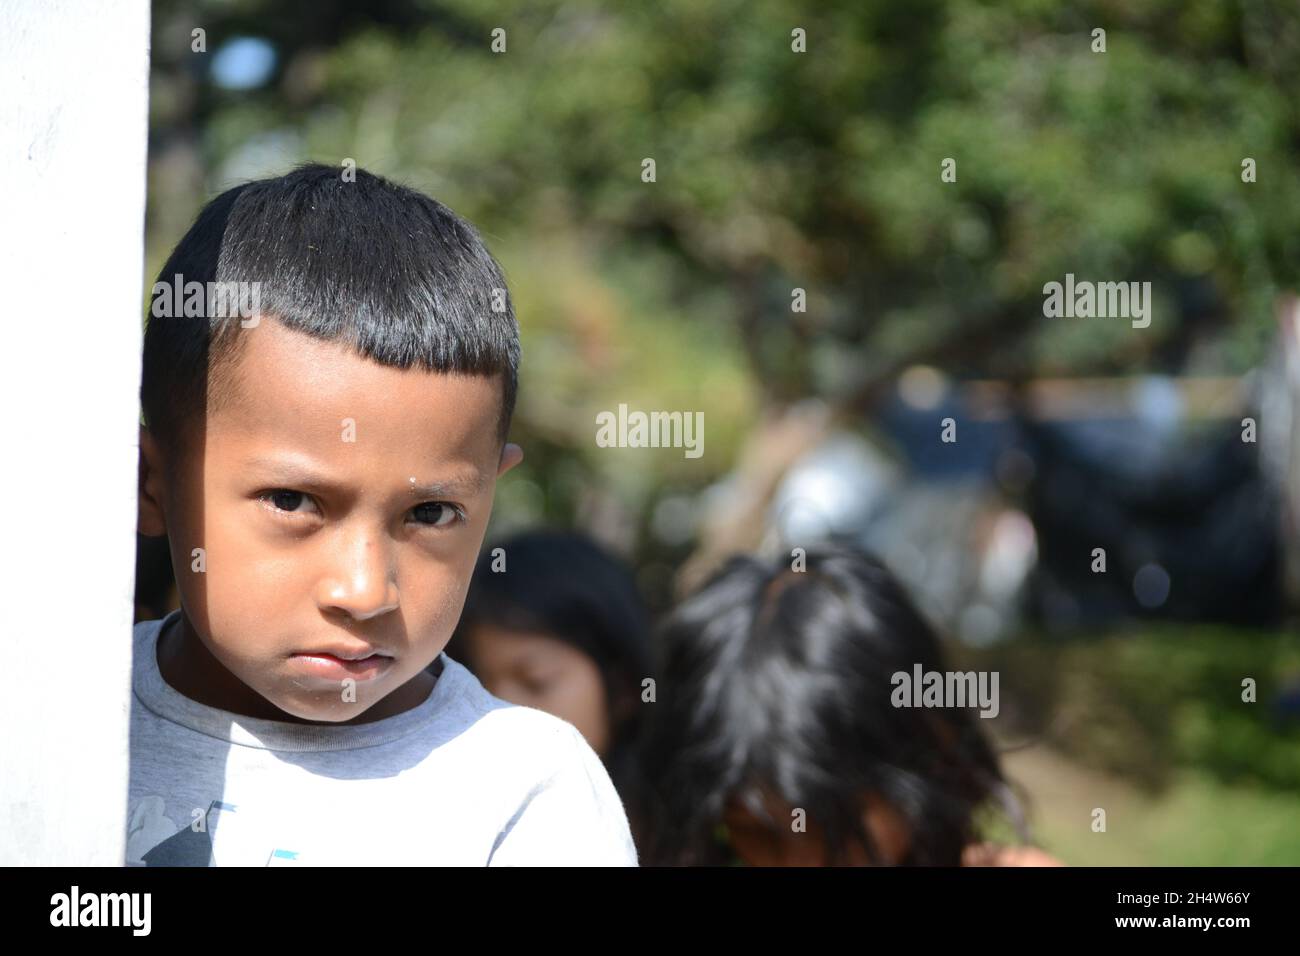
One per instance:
[(565, 808), (560, 803)]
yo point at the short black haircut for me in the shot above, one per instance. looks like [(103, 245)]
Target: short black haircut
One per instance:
[(394, 274), (779, 680)]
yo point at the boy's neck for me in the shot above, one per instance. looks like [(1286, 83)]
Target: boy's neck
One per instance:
[(190, 669)]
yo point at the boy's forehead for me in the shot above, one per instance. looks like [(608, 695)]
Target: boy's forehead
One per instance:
[(289, 387)]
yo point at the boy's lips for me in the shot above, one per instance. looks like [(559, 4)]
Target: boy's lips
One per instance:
[(348, 652), (337, 663)]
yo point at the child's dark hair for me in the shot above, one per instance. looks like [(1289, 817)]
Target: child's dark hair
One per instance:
[(566, 586), (396, 275), (779, 680)]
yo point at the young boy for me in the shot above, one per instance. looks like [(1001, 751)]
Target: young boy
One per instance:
[(321, 450)]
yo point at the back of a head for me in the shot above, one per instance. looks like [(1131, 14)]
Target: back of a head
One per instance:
[(779, 680), (390, 272)]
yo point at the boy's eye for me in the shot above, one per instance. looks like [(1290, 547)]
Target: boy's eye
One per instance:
[(287, 501), (437, 514), (433, 514)]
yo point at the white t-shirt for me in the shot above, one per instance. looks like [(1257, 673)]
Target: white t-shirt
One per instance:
[(462, 779)]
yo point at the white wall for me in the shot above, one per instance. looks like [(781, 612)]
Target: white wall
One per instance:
[(73, 125)]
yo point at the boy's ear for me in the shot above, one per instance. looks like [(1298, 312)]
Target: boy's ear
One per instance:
[(511, 455), (151, 519)]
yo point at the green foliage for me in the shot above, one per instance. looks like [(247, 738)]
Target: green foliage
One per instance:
[(1145, 705), (778, 169)]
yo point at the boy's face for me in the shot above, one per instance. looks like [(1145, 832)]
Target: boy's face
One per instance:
[(340, 506)]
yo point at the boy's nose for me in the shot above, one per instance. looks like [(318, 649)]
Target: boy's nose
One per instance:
[(362, 585)]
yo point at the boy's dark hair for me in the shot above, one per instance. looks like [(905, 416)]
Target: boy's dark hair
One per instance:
[(780, 681), (565, 585), (395, 274)]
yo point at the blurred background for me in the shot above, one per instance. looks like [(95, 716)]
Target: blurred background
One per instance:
[(1174, 448)]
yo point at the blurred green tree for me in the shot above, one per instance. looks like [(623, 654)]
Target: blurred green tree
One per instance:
[(779, 170)]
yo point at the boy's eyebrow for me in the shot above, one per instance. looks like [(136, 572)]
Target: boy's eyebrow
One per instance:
[(303, 476)]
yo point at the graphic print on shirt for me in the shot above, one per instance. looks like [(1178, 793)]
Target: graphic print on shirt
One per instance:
[(217, 837)]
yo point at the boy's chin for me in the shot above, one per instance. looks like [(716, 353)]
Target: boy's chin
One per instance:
[(328, 711)]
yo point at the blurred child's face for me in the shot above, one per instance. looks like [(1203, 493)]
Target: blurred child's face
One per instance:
[(537, 670), (758, 843), (340, 505)]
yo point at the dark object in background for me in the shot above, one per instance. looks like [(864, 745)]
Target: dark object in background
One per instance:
[(1189, 528), (155, 582), (1190, 523)]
